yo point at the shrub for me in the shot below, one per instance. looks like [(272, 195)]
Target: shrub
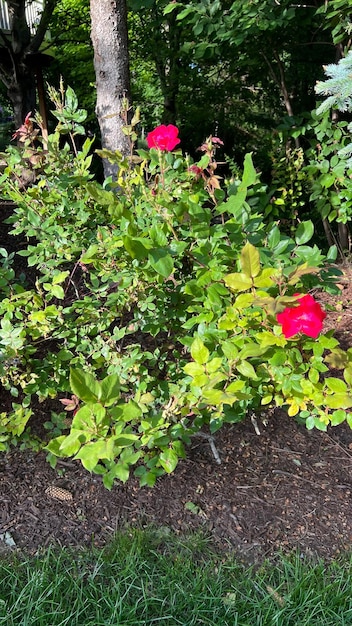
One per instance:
[(157, 304)]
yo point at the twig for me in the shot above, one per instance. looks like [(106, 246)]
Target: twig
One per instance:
[(338, 445), (255, 424), (290, 475), (212, 445)]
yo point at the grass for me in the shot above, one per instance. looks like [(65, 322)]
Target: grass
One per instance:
[(154, 578)]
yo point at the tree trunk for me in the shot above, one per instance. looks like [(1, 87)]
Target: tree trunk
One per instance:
[(281, 83), (22, 93), (167, 66), (111, 63), (18, 56)]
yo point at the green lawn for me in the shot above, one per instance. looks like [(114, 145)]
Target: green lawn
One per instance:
[(151, 577)]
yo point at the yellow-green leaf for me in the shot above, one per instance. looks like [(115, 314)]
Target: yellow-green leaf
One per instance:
[(238, 281), (250, 261), (265, 278), (199, 351)]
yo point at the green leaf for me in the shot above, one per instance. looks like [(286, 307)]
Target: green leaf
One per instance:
[(246, 369), (168, 460), (320, 425), (157, 235), (71, 101), (339, 401), (273, 237), (183, 13), (250, 262), (125, 440), (126, 412), (90, 254), (84, 385), (249, 173), (218, 398), (252, 349), (236, 386), (101, 196), (238, 282), (336, 385), (310, 422), (338, 417), (110, 390), (72, 443), (304, 232), (170, 7), (84, 419), (136, 248), (161, 261), (91, 453), (57, 291), (229, 350), (214, 397), (120, 471), (194, 369), (54, 446), (65, 355), (214, 365), (235, 202), (327, 180), (199, 352), (265, 278), (295, 276), (347, 374), (60, 277)]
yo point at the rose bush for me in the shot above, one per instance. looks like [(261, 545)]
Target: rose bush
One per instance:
[(163, 137), (306, 318), (154, 312)]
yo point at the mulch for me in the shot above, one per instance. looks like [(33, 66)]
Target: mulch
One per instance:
[(284, 489), (287, 488)]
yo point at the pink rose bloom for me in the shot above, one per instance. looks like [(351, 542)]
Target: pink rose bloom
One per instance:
[(306, 318), (163, 137)]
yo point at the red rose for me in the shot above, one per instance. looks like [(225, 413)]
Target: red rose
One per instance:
[(163, 137), (306, 318)]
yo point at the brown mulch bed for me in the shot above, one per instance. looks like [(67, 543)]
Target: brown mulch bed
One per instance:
[(285, 489)]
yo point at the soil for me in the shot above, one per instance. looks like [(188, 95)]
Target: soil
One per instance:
[(285, 489)]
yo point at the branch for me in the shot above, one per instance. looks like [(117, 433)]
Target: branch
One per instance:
[(271, 71), (283, 85), (43, 25)]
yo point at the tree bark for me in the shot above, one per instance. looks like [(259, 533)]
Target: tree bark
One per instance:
[(111, 62)]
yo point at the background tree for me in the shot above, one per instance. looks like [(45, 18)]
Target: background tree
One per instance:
[(20, 58), (271, 52)]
